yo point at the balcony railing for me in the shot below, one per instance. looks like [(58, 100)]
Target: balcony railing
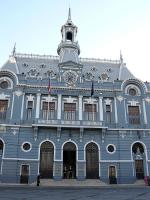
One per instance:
[(69, 115), (2, 116), (48, 115), (134, 120), (90, 116)]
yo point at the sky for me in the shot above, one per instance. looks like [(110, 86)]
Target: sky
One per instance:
[(104, 28)]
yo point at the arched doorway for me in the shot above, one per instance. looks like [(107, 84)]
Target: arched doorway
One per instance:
[(138, 156), (69, 160), (1, 148), (112, 175), (92, 161), (46, 160)]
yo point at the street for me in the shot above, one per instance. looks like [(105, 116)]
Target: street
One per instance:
[(47, 193)]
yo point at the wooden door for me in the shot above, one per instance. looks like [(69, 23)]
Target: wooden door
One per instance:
[(92, 161), (139, 169), (24, 177), (46, 160)]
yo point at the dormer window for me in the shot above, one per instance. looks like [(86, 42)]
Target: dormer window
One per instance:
[(69, 36)]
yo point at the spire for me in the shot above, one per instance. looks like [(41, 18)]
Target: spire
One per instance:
[(69, 14), (14, 50), (121, 57)]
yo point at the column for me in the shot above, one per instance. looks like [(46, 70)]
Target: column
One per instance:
[(100, 108), (116, 113), (59, 107), (125, 111), (80, 107), (22, 106), (37, 114), (12, 107), (144, 112)]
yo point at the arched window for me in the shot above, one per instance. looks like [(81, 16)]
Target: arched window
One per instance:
[(69, 36)]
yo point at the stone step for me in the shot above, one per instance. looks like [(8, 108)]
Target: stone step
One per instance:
[(71, 182)]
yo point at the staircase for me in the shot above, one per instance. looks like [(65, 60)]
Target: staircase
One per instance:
[(71, 183)]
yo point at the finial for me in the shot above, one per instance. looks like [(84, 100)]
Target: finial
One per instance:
[(14, 50), (121, 57), (69, 14)]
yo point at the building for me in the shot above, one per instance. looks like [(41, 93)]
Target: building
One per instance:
[(70, 117)]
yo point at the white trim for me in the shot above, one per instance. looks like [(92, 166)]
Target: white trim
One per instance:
[(144, 112), (28, 149), (109, 151), (99, 156), (80, 107), (38, 96), (101, 108), (116, 112), (59, 107), (115, 161), (12, 107), (125, 111), (25, 159), (22, 106)]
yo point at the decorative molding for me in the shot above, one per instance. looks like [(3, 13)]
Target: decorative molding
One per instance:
[(70, 99), (120, 98), (49, 98), (108, 101), (18, 93), (147, 99), (4, 96), (30, 97), (133, 102), (90, 100), (14, 130)]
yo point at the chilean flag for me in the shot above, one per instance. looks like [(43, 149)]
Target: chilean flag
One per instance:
[(49, 86)]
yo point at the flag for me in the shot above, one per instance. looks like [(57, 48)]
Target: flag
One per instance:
[(49, 86), (92, 89)]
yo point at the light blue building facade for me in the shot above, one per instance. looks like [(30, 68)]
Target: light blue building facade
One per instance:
[(51, 125)]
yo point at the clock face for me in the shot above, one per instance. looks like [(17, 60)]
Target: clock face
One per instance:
[(70, 77)]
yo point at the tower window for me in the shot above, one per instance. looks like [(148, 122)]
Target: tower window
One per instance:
[(69, 36)]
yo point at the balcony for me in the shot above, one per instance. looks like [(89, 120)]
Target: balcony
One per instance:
[(3, 116)]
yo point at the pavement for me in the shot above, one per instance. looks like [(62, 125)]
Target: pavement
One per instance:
[(28, 192)]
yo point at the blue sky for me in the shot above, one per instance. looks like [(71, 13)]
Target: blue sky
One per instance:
[(104, 28)]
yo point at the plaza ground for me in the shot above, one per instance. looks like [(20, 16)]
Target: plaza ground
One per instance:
[(69, 193)]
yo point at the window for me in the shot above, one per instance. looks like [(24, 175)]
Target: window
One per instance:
[(134, 114), (69, 36), (90, 112), (3, 109), (4, 84), (69, 111), (48, 110), (132, 92), (108, 113), (111, 148), (29, 109), (26, 146), (112, 171)]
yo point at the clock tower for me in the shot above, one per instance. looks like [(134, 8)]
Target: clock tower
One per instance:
[(68, 49)]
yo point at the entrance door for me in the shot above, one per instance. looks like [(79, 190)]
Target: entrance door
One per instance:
[(46, 160), (69, 161), (112, 175), (139, 169), (24, 177), (92, 161)]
